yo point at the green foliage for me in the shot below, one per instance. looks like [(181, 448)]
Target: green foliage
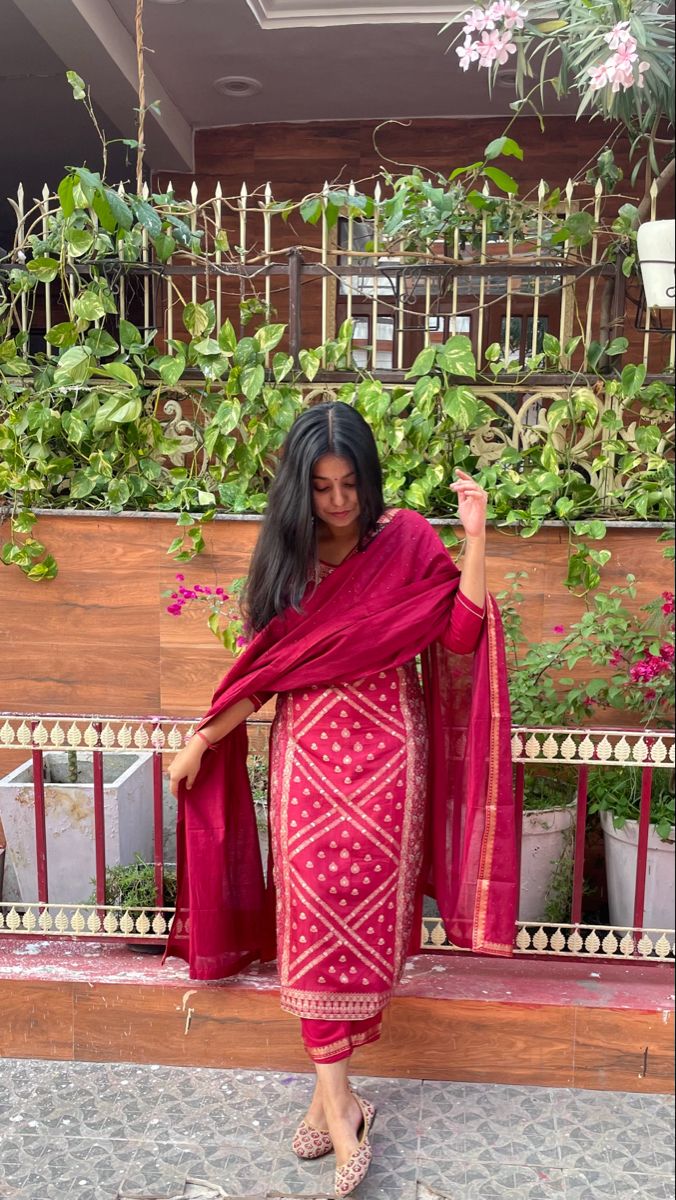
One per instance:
[(623, 660), (617, 790), (132, 885), (86, 425)]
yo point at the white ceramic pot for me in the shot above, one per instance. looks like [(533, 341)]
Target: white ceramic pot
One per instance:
[(545, 835), (655, 246), (621, 847), (69, 818)]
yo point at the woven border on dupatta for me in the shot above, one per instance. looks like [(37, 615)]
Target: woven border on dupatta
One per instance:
[(479, 939)]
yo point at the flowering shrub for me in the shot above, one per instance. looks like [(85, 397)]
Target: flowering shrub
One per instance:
[(617, 71), (632, 84), (224, 616), (495, 25), (628, 661)]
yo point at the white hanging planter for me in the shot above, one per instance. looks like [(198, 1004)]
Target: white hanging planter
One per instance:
[(655, 246)]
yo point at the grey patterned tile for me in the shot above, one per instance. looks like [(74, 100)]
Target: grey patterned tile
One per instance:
[(290, 1174), (67, 1165), (478, 1181), (653, 1187)]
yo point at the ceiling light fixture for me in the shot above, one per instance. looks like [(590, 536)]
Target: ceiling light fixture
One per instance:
[(238, 85)]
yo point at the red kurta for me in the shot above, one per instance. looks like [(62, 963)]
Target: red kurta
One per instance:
[(348, 795)]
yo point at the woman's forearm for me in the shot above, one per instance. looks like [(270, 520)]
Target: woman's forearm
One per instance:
[(473, 573), (226, 721)]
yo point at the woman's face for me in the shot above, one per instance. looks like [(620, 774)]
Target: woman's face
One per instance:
[(334, 492)]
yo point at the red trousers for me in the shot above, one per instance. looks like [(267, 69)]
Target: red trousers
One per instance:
[(330, 1041)]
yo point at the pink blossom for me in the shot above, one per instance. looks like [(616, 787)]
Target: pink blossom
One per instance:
[(180, 578), (668, 606), (600, 76), (667, 652), (174, 609), (477, 20), (513, 15), (495, 47), (242, 641), (642, 68), (559, 629), (467, 53), (619, 35), (648, 669), (616, 658), (621, 76), (650, 694)]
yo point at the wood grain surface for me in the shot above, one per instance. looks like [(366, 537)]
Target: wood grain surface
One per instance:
[(234, 1026), (97, 639)]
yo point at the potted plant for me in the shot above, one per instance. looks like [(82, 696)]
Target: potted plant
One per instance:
[(615, 793), (547, 835), (131, 886), (624, 661), (69, 819)]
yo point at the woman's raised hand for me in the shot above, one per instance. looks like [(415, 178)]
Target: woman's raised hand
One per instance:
[(472, 502)]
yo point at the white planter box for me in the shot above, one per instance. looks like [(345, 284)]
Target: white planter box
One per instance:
[(621, 846), (69, 817), (655, 246), (546, 832)]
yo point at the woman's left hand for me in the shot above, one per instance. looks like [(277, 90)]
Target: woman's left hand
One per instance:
[(472, 502)]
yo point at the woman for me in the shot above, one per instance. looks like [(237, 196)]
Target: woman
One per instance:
[(379, 788)]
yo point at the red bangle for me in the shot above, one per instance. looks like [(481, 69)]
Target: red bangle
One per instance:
[(198, 733)]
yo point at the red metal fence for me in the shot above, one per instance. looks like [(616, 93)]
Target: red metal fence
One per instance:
[(154, 738)]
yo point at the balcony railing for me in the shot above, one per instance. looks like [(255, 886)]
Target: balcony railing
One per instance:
[(584, 750), (500, 290)]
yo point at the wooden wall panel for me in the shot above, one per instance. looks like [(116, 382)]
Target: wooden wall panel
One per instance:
[(97, 639), (432, 1038)]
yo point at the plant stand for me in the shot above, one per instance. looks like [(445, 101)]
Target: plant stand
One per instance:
[(69, 819)]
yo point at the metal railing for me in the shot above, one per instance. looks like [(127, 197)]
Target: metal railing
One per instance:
[(585, 750), (504, 290)]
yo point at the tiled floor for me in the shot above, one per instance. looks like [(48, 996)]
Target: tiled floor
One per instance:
[(78, 1131)]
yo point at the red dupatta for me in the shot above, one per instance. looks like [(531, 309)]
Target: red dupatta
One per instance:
[(379, 609)]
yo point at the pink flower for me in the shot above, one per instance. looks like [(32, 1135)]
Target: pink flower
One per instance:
[(174, 609), (477, 20), (668, 606), (616, 658), (650, 694), (619, 35), (467, 53), (642, 68), (559, 629), (495, 47), (180, 578), (667, 652), (242, 641), (600, 76), (512, 14)]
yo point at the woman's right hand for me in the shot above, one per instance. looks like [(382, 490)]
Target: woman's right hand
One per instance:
[(186, 764)]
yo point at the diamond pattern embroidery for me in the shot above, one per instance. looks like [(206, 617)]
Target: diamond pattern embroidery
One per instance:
[(348, 799)]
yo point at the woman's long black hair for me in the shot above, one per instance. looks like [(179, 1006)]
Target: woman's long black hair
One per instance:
[(287, 545)]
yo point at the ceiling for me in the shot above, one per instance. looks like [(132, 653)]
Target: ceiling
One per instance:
[(311, 60)]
